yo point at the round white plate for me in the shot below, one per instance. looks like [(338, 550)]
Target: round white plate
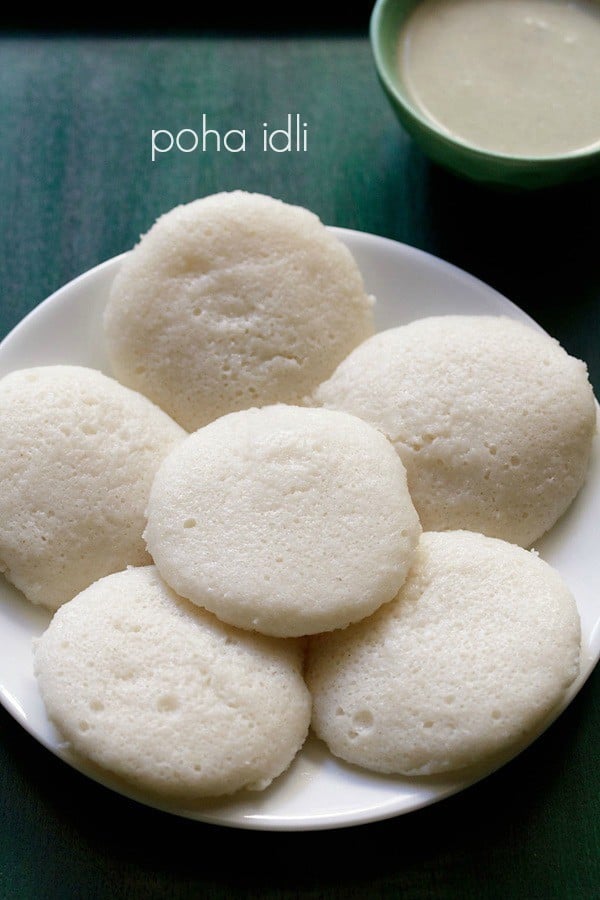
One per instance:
[(318, 791)]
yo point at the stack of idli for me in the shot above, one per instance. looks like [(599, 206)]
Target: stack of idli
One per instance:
[(340, 540), (494, 423), (233, 301)]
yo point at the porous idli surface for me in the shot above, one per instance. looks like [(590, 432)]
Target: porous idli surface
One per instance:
[(159, 692), (477, 650), (286, 520), (231, 301), (493, 420), (78, 453)]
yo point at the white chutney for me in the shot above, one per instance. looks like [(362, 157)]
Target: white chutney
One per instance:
[(519, 77)]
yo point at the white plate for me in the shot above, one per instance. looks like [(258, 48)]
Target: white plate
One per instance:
[(318, 791)]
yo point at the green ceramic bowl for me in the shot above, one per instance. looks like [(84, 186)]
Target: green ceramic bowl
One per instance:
[(458, 156)]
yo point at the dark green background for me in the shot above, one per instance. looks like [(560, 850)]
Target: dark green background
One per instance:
[(77, 186)]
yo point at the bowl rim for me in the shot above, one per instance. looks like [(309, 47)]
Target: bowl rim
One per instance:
[(376, 33)]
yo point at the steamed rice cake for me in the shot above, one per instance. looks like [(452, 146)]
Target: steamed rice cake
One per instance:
[(493, 419), (78, 453), (159, 692), (477, 650), (286, 520), (231, 301)]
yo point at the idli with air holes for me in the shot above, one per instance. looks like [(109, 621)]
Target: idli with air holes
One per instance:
[(159, 692), (231, 301), (78, 453), (285, 520), (476, 652), (492, 418)]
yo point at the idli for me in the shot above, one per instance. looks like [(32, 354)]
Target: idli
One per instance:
[(78, 452), (231, 301), (476, 652), (493, 420), (159, 692), (286, 520)]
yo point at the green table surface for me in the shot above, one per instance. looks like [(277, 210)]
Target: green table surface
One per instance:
[(77, 186)]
